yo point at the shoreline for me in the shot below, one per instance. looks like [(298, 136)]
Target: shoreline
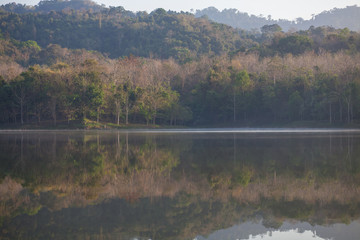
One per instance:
[(284, 130), (220, 127)]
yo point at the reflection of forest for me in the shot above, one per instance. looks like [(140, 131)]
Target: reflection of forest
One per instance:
[(172, 185)]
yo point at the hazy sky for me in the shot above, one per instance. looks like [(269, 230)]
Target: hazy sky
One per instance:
[(286, 9)]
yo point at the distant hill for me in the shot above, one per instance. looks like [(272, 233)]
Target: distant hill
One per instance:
[(348, 17)]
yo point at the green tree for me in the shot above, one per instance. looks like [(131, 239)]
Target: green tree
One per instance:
[(21, 90), (270, 29), (118, 99), (294, 44), (295, 106), (90, 93), (155, 99), (124, 97), (5, 101), (240, 83)]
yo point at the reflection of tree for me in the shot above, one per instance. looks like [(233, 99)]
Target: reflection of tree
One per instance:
[(319, 176), (86, 168), (144, 166), (182, 217)]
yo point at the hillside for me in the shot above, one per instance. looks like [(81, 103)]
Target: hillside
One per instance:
[(117, 33), (348, 17)]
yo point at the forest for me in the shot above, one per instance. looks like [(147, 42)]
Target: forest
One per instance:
[(113, 67)]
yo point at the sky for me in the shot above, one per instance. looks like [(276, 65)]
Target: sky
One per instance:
[(278, 9)]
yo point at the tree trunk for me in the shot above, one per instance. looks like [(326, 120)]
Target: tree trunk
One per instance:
[(154, 118), (118, 117), (21, 111), (117, 105), (38, 114), (348, 111), (330, 119), (98, 115), (340, 104), (14, 115), (234, 107), (127, 114), (53, 110)]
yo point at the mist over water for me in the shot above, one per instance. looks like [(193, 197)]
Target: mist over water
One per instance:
[(245, 130)]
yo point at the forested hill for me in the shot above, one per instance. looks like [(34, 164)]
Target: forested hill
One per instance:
[(114, 31), (348, 17)]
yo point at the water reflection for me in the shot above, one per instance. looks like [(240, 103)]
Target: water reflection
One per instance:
[(288, 230), (163, 185)]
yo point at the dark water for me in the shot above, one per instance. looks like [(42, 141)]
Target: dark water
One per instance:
[(218, 184)]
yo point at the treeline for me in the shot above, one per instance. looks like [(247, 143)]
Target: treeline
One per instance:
[(240, 90), (130, 86)]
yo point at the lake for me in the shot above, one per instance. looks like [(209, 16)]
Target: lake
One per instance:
[(180, 184)]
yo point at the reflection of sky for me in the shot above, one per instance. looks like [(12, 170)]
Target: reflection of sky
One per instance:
[(292, 234), (293, 231)]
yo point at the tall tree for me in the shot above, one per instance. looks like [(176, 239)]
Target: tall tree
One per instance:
[(240, 83)]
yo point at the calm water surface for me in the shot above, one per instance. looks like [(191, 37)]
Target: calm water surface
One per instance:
[(180, 184)]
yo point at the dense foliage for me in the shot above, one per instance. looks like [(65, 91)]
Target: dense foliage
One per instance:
[(118, 67), (117, 32), (217, 90)]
